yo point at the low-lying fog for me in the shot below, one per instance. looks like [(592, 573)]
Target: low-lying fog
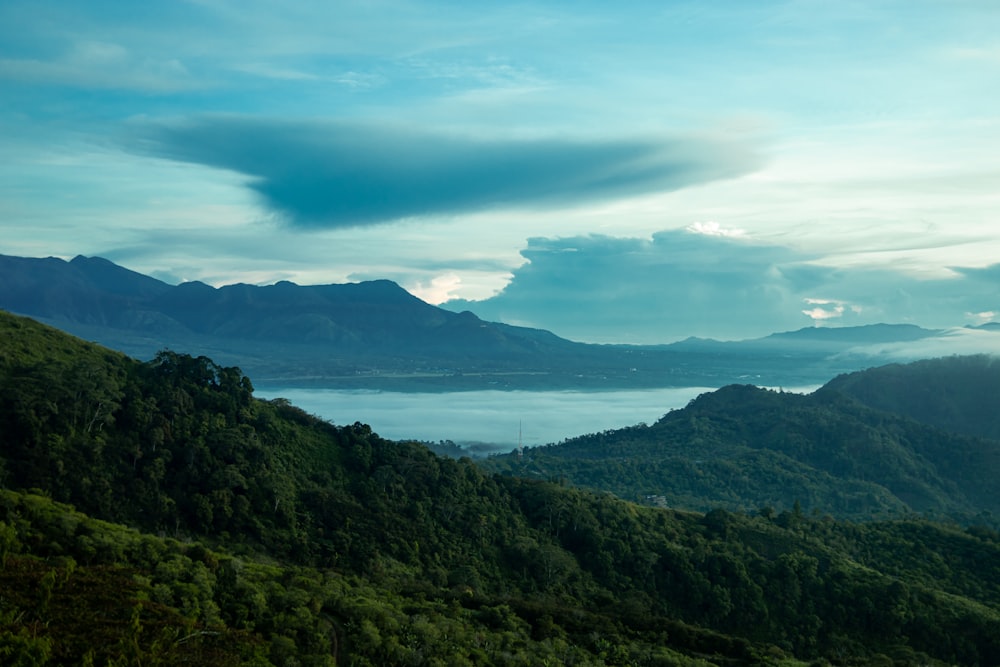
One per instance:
[(488, 417)]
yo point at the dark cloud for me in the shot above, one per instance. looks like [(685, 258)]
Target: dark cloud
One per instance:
[(336, 174), (680, 284), (988, 274)]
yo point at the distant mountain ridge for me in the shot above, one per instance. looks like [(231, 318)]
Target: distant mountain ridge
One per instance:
[(356, 325), (872, 333), (827, 338), (96, 291), (89, 290), (376, 335)]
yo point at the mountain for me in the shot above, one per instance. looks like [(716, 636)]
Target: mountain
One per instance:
[(744, 448), (209, 527), (957, 394), (85, 290), (810, 342), (375, 335), (352, 332), (374, 316), (860, 335)]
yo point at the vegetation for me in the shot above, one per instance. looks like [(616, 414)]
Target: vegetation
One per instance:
[(157, 513), (744, 448), (957, 394)]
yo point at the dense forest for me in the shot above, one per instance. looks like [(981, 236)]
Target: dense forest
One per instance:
[(158, 513), (746, 448), (958, 394)]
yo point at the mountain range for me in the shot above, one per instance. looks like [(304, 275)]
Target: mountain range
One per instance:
[(376, 335)]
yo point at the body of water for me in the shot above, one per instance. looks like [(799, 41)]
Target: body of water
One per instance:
[(495, 417)]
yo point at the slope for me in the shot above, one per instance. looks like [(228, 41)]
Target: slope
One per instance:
[(744, 448), (268, 536), (958, 394)]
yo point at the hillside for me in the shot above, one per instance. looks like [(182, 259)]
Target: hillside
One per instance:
[(958, 394), (261, 535), (745, 448)]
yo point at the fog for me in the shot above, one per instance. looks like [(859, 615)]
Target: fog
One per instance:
[(949, 343), (492, 417)]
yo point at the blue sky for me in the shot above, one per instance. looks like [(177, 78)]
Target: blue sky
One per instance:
[(635, 172)]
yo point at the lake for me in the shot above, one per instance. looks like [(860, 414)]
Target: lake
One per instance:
[(493, 417)]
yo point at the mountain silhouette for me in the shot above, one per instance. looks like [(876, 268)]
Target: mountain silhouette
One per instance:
[(375, 334)]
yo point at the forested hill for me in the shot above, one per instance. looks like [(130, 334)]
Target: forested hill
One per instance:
[(959, 394), (744, 448), (257, 534)]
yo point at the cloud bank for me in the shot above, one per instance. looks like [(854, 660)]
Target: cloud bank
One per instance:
[(959, 341), (681, 283), (344, 174)]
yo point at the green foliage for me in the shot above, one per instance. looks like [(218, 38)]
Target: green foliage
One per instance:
[(956, 394), (260, 535), (744, 448)]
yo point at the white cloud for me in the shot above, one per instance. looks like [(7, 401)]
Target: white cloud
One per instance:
[(982, 317), (951, 342), (712, 228), (102, 66), (269, 71), (440, 289), (98, 53), (821, 314), (984, 54)]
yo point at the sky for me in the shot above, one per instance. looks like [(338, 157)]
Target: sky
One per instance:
[(614, 172)]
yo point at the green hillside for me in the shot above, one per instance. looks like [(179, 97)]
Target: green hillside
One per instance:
[(747, 448), (157, 514), (959, 394)]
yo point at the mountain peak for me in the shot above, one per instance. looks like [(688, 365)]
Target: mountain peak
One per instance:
[(106, 275)]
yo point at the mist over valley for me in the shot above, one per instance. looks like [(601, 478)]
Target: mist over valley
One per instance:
[(485, 422)]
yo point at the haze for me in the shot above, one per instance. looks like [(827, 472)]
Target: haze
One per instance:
[(489, 417)]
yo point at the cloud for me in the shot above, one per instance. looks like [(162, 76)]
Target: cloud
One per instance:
[(672, 285), (439, 288), (346, 173), (986, 274), (951, 342), (820, 314), (983, 317), (825, 309), (711, 228), (102, 66), (681, 283)]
